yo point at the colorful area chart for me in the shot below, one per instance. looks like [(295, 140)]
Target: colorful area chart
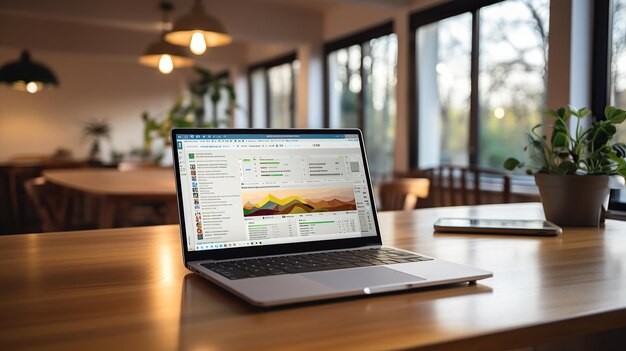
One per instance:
[(294, 201)]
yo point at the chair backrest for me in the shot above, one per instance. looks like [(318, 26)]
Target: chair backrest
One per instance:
[(402, 194), (49, 204), (18, 212), (458, 186)]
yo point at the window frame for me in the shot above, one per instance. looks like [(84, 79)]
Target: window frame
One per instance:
[(359, 38), (265, 66), (428, 16), (602, 21)]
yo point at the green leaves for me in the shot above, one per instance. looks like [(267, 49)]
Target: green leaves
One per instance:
[(580, 151), (566, 167), (582, 113), (511, 163), (620, 149), (600, 134), (559, 139), (614, 115)]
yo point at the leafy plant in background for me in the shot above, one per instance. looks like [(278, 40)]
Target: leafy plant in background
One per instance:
[(211, 85), (578, 152), (187, 112), (95, 130)]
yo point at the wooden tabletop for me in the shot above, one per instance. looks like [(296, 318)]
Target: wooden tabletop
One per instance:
[(127, 287), (116, 183)]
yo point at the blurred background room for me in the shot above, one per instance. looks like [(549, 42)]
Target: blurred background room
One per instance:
[(442, 91)]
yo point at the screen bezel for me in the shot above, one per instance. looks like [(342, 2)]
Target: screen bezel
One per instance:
[(275, 249)]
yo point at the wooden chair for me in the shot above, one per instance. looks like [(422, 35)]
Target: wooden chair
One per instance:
[(19, 213), (51, 206), (459, 186), (402, 194)]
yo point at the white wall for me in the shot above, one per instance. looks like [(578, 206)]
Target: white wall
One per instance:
[(344, 20), (115, 90)]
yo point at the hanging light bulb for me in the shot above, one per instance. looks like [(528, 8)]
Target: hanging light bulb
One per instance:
[(163, 55), (26, 75), (197, 44), (198, 30), (166, 65), (32, 87)]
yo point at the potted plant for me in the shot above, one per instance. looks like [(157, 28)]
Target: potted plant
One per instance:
[(188, 112), (95, 130), (575, 169)]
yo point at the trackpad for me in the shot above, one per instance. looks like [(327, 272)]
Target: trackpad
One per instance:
[(362, 278)]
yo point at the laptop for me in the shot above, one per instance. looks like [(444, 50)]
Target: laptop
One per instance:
[(288, 216)]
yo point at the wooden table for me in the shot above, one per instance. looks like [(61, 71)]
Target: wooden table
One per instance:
[(127, 288), (112, 189)]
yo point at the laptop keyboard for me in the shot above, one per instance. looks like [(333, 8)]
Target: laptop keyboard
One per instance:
[(311, 262)]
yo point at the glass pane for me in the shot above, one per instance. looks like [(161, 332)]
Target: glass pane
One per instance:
[(618, 61), (344, 81), (444, 64), (281, 97), (512, 76), (380, 56), (259, 91)]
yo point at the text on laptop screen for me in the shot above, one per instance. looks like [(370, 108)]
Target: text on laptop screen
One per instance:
[(259, 189)]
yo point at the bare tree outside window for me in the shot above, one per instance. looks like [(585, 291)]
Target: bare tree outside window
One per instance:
[(281, 97), (362, 94), (617, 87), (512, 77), (444, 56), (344, 87), (380, 56), (512, 73)]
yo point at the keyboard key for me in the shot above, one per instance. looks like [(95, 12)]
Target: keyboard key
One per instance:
[(311, 262)]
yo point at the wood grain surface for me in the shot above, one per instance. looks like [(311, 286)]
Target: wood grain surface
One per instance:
[(114, 191), (114, 182), (127, 289)]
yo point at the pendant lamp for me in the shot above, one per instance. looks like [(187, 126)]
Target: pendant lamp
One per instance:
[(163, 55), (26, 75), (198, 30)]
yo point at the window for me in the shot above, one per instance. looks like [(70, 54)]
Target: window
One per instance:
[(609, 60), (272, 93), (617, 83), (360, 91), (480, 70)]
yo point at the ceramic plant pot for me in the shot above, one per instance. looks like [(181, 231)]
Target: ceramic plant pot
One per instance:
[(573, 201)]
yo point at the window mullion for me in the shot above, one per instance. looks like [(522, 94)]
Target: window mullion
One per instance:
[(268, 108), (292, 99), (361, 105), (474, 106), (600, 57)]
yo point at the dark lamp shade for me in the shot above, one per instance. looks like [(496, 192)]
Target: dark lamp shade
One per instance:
[(153, 54), (197, 20), (19, 73)]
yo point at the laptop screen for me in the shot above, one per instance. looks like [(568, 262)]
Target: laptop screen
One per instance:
[(241, 190)]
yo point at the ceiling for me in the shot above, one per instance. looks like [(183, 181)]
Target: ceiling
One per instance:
[(124, 28)]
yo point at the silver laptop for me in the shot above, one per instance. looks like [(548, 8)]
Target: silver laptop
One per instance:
[(287, 216)]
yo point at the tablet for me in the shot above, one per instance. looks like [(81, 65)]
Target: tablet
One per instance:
[(497, 226)]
